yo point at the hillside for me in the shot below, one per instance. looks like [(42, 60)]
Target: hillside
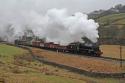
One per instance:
[(112, 24), (112, 19), (119, 8), (112, 28)]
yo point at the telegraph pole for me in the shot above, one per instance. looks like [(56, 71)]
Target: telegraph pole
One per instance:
[(120, 55)]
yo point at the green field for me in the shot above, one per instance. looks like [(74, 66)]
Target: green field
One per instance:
[(7, 53)]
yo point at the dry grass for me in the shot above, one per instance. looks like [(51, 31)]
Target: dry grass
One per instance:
[(89, 64), (23, 69), (38, 78), (113, 51), (18, 66)]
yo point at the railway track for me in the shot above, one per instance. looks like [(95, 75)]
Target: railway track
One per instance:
[(116, 60)]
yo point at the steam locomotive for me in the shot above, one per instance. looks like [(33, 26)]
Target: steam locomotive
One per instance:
[(74, 48)]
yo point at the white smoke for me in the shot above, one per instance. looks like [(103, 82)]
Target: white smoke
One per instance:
[(64, 28), (57, 25)]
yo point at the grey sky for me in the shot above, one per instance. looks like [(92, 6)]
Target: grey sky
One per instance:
[(82, 5), (72, 5)]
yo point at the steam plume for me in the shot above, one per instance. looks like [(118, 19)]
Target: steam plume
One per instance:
[(56, 25)]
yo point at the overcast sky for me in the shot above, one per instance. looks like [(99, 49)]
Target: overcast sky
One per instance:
[(72, 5), (81, 5)]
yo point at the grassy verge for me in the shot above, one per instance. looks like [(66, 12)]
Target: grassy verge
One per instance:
[(7, 53), (85, 63), (17, 66)]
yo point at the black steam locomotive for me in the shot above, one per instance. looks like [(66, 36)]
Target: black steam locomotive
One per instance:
[(75, 48), (81, 48)]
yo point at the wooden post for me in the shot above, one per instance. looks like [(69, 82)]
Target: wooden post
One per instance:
[(120, 56)]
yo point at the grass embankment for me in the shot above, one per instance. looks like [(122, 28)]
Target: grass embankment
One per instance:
[(17, 66), (85, 63), (7, 53), (55, 55)]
